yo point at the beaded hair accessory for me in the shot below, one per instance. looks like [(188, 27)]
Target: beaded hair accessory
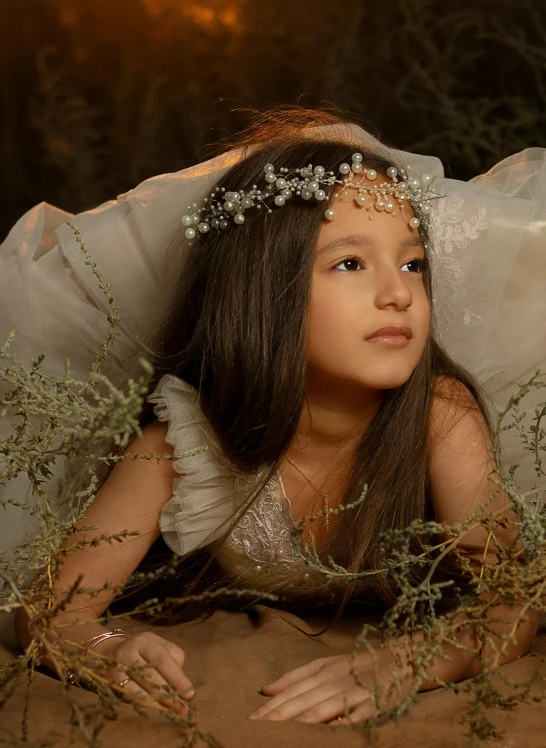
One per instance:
[(226, 208)]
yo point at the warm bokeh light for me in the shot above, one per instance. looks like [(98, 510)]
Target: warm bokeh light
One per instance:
[(203, 14), (68, 16)]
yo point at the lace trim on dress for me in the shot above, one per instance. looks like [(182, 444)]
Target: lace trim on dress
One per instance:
[(260, 554)]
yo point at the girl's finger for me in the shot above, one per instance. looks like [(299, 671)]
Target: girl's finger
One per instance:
[(151, 681), (302, 686), (336, 706), (287, 707), (167, 659), (145, 699), (176, 652), (175, 666), (360, 714), (293, 676), (133, 689), (171, 670), (117, 677)]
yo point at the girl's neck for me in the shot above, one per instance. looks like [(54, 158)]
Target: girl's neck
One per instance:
[(333, 420)]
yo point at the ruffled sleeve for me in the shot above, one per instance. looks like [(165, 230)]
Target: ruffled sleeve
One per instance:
[(208, 491)]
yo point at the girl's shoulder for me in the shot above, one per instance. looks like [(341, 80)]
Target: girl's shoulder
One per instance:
[(462, 467), (450, 389), (454, 410), (459, 443), (461, 464)]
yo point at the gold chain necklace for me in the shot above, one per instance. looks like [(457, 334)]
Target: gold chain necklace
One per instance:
[(325, 496)]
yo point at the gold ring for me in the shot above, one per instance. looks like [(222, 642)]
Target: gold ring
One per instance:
[(123, 683)]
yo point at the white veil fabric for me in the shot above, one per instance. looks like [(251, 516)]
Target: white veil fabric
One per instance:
[(489, 267)]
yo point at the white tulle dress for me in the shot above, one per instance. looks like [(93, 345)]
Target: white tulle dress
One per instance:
[(489, 266)]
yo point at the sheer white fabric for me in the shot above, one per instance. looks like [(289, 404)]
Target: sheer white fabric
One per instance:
[(489, 243)]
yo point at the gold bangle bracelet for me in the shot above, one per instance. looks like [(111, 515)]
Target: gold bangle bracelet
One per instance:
[(94, 640), (88, 645)]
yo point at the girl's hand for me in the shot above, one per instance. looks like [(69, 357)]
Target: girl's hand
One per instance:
[(316, 692), (162, 662)]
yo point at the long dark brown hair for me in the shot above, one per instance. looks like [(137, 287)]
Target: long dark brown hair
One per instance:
[(237, 333)]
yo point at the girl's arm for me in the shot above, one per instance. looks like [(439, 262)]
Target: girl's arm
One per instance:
[(460, 460), (130, 499)]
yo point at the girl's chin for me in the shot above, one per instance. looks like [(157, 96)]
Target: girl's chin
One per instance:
[(386, 382), (387, 378), (375, 383)]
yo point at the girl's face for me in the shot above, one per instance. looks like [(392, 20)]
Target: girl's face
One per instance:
[(367, 276)]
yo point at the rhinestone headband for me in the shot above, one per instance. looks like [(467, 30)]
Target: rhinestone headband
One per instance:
[(224, 208)]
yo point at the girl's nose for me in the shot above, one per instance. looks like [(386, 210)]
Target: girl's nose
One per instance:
[(393, 291)]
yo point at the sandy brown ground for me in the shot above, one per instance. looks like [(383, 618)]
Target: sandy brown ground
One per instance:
[(229, 657)]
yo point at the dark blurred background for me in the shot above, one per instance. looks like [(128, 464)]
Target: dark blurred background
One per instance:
[(97, 95)]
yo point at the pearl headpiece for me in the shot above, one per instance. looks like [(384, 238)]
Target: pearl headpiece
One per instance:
[(222, 208)]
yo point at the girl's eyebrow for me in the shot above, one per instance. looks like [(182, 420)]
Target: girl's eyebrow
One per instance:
[(361, 240)]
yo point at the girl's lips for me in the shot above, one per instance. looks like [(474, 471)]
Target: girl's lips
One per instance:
[(389, 341), (391, 336)]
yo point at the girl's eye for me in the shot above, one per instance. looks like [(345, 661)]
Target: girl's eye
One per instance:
[(415, 266), (350, 262), (353, 263)]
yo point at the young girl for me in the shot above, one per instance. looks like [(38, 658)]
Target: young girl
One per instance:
[(301, 353)]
